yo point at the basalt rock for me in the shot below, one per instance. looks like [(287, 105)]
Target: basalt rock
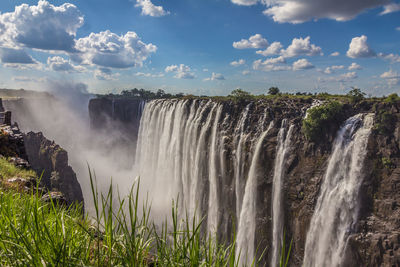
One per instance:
[(51, 161)]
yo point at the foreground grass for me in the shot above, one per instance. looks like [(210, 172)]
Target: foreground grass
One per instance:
[(35, 233)]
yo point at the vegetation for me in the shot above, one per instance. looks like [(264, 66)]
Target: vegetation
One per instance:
[(321, 119), (145, 94), (9, 170), (385, 121), (273, 91), (356, 95)]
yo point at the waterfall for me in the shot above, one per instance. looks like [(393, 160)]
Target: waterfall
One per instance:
[(178, 155), (283, 146), (247, 221), (113, 108), (337, 207), (239, 158), (212, 218)]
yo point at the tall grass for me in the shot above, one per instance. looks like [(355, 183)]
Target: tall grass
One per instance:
[(120, 233)]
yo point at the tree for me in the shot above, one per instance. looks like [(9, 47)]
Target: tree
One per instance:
[(273, 91), (356, 94), (239, 93)]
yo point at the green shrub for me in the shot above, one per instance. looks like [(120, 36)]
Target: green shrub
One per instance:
[(322, 119), (385, 122)]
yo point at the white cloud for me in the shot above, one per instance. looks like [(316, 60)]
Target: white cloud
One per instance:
[(60, 64), (205, 70), (246, 72), (215, 77), (391, 57), (142, 74), (245, 2), (238, 63), (298, 11), (107, 49), (346, 77), (392, 77), (274, 49), (354, 66), (271, 64), (398, 28), (390, 8), (105, 74), (302, 64), (256, 41), (332, 69), (359, 48), (335, 54), (181, 72), (15, 56), (301, 47), (149, 9), (44, 26)]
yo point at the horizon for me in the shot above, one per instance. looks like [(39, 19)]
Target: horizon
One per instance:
[(201, 47)]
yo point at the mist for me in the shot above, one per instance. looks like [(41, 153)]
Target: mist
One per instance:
[(64, 118)]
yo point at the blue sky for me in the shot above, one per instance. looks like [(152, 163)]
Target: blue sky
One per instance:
[(202, 47)]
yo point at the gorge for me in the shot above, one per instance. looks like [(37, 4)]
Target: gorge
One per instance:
[(247, 166)]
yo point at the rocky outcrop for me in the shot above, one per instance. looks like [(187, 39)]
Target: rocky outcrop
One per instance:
[(120, 115), (50, 160)]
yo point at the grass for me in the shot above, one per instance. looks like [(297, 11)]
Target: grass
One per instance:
[(9, 170), (34, 233)]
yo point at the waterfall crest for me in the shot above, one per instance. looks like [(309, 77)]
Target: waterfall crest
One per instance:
[(283, 145), (337, 207)]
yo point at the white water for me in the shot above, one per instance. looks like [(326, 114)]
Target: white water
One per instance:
[(247, 226), (178, 155), (337, 207), (239, 158), (283, 146)]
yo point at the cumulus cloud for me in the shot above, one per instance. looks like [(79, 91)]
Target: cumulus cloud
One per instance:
[(302, 64), (109, 50), (274, 49), (181, 72), (359, 48), (105, 74), (245, 2), (332, 69), (26, 79), (271, 64), (149, 75), (246, 72), (346, 77), (15, 56), (238, 63), (393, 58), (335, 54), (302, 47), (390, 8), (149, 9), (354, 66), (298, 11), (256, 42), (60, 64), (44, 26), (215, 77), (392, 77)]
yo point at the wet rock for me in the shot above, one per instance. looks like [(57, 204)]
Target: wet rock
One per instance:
[(55, 197)]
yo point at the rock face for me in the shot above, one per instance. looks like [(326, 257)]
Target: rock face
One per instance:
[(108, 114), (47, 157), (375, 240)]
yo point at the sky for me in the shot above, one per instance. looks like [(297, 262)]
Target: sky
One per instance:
[(202, 47)]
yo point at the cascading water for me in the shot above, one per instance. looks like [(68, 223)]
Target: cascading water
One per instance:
[(284, 137), (177, 155), (239, 158), (336, 211), (246, 229)]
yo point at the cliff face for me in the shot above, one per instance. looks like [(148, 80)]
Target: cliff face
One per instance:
[(374, 237), (119, 114), (47, 157)]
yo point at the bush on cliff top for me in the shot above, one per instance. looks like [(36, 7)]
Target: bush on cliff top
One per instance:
[(321, 119)]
